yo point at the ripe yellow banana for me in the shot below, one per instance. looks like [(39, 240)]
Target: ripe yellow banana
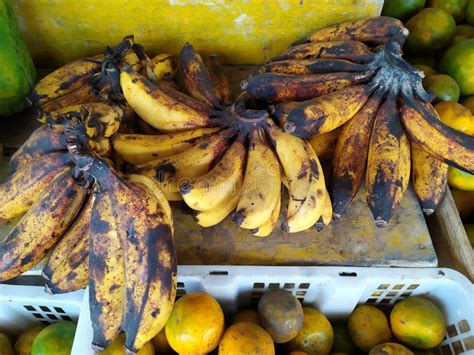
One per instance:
[(44, 140), (155, 107), (24, 187), (350, 155), (41, 227), (326, 214), (262, 184), (196, 78), (213, 217), (219, 78), (64, 80), (311, 209), (75, 236), (325, 113), (164, 66), (101, 146), (429, 176), (324, 144), (210, 190), (388, 163), (424, 127), (312, 66), (141, 148), (267, 228), (130, 58)]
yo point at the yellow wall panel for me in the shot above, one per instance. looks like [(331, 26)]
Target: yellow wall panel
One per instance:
[(240, 31)]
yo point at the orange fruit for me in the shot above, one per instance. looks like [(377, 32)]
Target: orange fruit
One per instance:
[(454, 7), (418, 322), (402, 9), (368, 327), (460, 179), (430, 30), (316, 336), (246, 315), (195, 325), (469, 103), (246, 338), (443, 86), (462, 33), (390, 349), (456, 116), (458, 62), (116, 347), (429, 61), (427, 70)]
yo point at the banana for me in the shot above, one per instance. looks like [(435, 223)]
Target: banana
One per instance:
[(196, 78), (424, 127), (348, 50), (219, 78), (262, 183), (373, 30), (266, 229), (350, 155), (273, 87), (164, 66), (24, 187), (44, 140), (72, 273), (75, 237), (324, 144), (106, 269), (64, 80), (210, 190), (294, 159), (213, 217), (388, 163), (326, 113), (82, 95), (101, 146), (139, 148), (130, 58), (173, 196), (311, 208), (429, 176), (312, 66), (280, 111), (155, 107), (326, 215), (172, 171), (41, 227)]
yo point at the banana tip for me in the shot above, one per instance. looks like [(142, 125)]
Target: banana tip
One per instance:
[(48, 289), (97, 348), (428, 211), (380, 223), (238, 218), (45, 275), (185, 187), (290, 127), (254, 230), (319, 226), (244, 84), (285, 227)]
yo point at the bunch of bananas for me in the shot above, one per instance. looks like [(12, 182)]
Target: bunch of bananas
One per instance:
[(220, 155), (353, 76)]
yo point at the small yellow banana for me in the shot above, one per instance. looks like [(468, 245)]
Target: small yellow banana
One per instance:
[(164, 66), (213, 217), (266, 229)]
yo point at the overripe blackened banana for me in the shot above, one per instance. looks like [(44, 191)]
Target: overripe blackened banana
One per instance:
[(196, 78), (312, 66), (41, 227), (82, 95), (100, 146), (280, 111), (373, 30), (272, 87), (44, 140), (424, 127), (325, 113), (348, 50), (350, 155), (388, 163), (155, 107), (219, 78), (429, 176), (24, 187)]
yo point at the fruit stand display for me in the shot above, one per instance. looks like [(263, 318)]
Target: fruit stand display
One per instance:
[(328, 153)]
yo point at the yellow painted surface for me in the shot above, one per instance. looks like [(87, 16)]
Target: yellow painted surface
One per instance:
[(240, 31)]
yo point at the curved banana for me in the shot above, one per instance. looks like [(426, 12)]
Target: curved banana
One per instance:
[(374, 30), (267, 228), (429, 177), (82, 95), (64, 80), (388, 163), (155, 107), (262, 184), (75, 236), (183, 98), (24, 187), (210, 190), (280, 111), (324, 144), (44, 140), (41, 227), (312, 66), (311, 209), (141, 148), (217, 215), (164, 66), (350, 155), (196, 78), (219, 78), (424, 127), (325, 113), (347, 50), (131, 58), (326, 214), (274, 87)]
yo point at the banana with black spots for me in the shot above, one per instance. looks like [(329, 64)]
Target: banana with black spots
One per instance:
[(312, 66), (219, 78)]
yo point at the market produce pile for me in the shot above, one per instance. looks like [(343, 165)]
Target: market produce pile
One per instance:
[(124, 135)]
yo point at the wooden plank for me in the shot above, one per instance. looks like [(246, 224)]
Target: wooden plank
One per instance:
[(450, 238), (241, 31)]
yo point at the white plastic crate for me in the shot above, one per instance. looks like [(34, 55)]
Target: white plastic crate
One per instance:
[(335, 291), (21, 307)]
